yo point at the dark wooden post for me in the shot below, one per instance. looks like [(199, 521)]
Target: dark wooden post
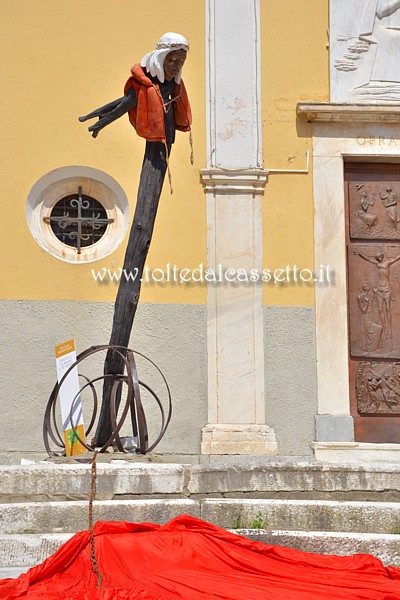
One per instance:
[(150, 186)]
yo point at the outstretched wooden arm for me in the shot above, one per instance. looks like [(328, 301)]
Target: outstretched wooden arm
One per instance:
[(110, 112)]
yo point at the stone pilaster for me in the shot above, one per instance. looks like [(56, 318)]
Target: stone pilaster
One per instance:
[(234, 181)]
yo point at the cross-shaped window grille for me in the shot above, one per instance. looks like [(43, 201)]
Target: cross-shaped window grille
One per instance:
[(78, 220)]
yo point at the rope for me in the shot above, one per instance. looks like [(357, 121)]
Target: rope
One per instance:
[(166, 107), (93, 559), (191, 148), (168, 169)]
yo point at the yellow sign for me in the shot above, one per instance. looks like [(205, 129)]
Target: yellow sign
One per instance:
[(65, 348)]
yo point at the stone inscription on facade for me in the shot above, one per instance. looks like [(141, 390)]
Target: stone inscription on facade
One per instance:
[(374, 210), (365, 50), (380, 140), (378, 388), (374, 294)]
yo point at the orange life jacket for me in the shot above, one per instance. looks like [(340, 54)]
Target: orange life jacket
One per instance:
[(148, 116)]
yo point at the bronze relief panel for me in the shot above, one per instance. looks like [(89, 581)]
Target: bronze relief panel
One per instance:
[(374, 300), (374, 212), (372, 193), (378, 388)]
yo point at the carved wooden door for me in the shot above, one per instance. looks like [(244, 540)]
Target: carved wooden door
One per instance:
[(372, 195)]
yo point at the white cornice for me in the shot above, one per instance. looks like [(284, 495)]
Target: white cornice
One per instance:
[(350, 113), (234, 181)]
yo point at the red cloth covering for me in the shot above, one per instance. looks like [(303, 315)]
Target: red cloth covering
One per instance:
[(189, 559)]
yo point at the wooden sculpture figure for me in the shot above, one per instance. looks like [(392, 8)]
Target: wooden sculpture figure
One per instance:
[(156, 101)]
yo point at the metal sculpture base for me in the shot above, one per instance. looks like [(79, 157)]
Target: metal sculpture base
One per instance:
[(138, 442)]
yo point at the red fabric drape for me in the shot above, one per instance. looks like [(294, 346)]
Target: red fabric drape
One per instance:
[(189, 559)]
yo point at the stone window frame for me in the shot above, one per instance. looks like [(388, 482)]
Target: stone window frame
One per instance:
[(61, 182)]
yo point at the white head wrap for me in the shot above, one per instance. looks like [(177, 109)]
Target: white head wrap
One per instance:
[(154, 61)]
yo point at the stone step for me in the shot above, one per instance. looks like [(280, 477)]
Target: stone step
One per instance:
[(121, 479), (386, 547), (12, 572), (28, 550), (18, 552), (304, 515), (310, 480), (64, 517), (52, 482)]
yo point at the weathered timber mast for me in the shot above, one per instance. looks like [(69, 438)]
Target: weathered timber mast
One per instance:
[(150, 186), (166, 62)]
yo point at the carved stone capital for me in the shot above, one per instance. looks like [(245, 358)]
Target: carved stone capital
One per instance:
[(351, 113), (234, 181)]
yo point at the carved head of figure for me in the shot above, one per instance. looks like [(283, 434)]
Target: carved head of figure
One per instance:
[(166, 61), (365, 287), (379, 257), (173, 64)]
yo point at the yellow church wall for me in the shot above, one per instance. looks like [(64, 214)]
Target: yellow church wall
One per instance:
[(60, 60), (295, 68)]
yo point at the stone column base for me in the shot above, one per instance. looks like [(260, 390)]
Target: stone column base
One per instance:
[(334, 428), (251, 439)]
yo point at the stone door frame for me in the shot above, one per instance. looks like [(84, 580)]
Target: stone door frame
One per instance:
[(341, 132)]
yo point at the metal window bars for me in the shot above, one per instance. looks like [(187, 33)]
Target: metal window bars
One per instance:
[(78, 220)]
